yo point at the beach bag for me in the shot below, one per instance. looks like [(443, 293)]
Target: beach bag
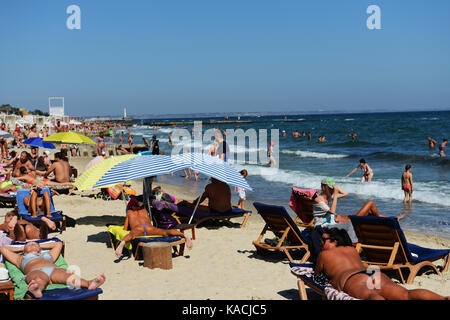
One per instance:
[(163, 219)]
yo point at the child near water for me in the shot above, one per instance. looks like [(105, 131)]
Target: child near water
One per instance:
[(407, 183), (242, 192)]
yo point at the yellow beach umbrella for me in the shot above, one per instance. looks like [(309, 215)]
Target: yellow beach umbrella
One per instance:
[(69, 137), (91, 176)]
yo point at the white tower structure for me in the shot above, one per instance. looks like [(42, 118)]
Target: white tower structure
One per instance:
[(56, 106)]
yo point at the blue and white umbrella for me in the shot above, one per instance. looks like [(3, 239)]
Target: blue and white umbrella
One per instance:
[(213, 167), (138, 168)]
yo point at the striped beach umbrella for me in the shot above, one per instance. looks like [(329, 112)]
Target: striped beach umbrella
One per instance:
[(212, 167), (139, 167), (90, 177)]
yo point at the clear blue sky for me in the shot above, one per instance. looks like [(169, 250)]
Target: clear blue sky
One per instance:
[(179, 56)]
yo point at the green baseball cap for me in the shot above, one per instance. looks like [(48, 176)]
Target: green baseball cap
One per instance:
[(328, 182)]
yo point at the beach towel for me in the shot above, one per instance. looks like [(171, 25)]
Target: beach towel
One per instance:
[(321, 280), (296, 205), (119, 233), (20, 285)]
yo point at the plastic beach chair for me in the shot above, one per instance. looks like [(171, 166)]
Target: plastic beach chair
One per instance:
[(383, 243), (281, 224), (23, 211)]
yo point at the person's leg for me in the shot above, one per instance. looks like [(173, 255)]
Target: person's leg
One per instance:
[(46, 203), (61, 276), (406, 196), (37, 281), (33, 203), (392, 291), (151, 230), (136, 232)]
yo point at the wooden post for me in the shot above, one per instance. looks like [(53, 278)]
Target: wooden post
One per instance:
[(157, 255)]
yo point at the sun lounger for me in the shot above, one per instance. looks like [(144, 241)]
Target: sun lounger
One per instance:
[(383, 243), (23, 211), (281, 224), (302, 204), (183, 214), (52, 291), (319, 284), (116, 234)]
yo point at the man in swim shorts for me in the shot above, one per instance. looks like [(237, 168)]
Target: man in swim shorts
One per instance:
[(342, 265)]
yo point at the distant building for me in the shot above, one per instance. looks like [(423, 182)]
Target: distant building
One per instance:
[(6, 109)]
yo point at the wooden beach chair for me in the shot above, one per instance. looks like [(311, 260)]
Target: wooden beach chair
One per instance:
[(57, 216), (116, 234), (281, 224), (302, 204), (382, 243), (305, 277)]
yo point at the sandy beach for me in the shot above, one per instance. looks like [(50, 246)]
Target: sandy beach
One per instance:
[(222, 265)]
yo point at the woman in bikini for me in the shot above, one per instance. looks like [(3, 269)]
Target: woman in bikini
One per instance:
[(367, 171), (40, 269), (326, 216), (100, 143), (138, 221)]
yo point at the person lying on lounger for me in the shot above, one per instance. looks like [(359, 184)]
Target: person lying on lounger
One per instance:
[(40, 268), (22, 230), (36, 200), (218, 194), (140, 224), (325, 215), (342, 265)]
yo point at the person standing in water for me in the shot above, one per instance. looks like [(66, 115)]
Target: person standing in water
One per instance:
[(367, 171), (407, 183)]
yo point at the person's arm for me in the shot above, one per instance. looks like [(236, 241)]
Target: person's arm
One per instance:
[(55, 249), (340, 192), (334, 204), (411, 181), (319, 264), (125, 225), (29, 166), (10, 255), (353, 171), (49, 171)]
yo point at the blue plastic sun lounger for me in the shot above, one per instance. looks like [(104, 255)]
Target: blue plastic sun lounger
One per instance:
[(71, 294), (23, 211), (281, 224), (383, 243)]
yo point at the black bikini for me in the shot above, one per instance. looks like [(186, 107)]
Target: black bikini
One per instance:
[(366, 272)]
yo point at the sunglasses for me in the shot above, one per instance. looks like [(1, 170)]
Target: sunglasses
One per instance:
[(324, 239)]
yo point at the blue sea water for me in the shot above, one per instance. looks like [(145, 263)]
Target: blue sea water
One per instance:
[(387, 141)]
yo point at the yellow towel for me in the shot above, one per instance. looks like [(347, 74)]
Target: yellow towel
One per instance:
[(119, 233)]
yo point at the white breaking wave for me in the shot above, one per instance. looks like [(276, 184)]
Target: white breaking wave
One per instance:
[(426, 192), (310, 154)]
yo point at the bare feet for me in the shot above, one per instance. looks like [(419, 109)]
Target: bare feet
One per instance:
[(97, 282), (33, 287), (189, 243), (119, 249), (49, 223)]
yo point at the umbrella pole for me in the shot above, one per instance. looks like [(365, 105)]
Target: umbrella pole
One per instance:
[(147, 189), (196, 206)]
